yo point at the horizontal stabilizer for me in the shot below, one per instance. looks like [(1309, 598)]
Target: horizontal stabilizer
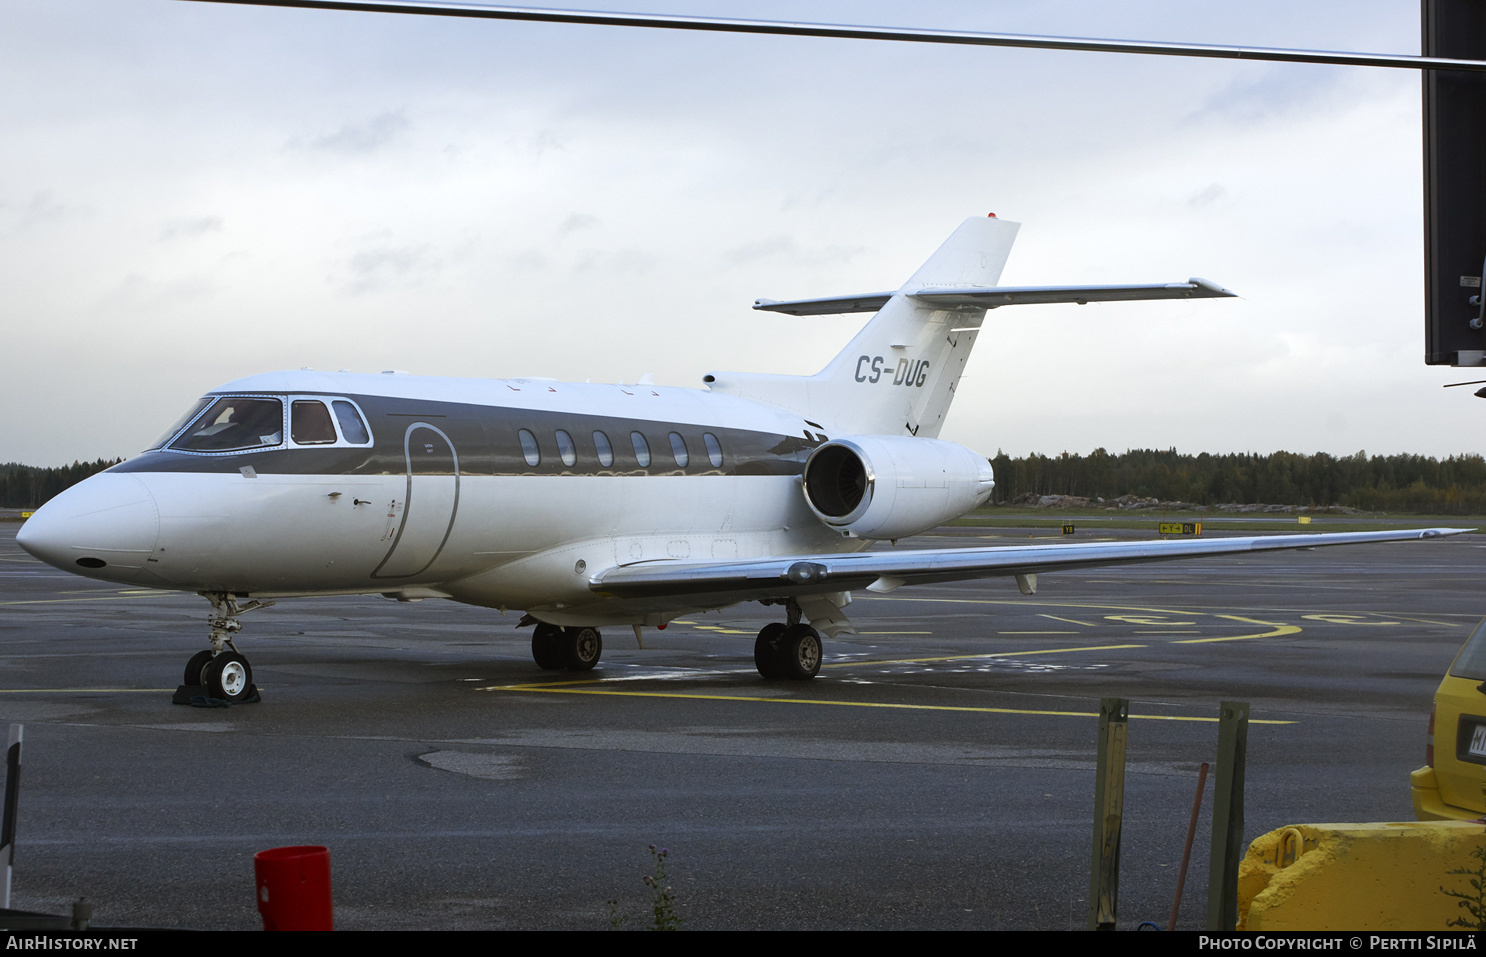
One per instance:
[(992, 297), (835, 306)]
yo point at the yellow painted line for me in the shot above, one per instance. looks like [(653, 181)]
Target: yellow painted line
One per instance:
[(1036, 632), (999, 654), (1343, 618), (1071, 621), (895, 632), (845, 704), (84, 690), (1025, 602), (1172, 632), (1278, 631), (1447, 624)]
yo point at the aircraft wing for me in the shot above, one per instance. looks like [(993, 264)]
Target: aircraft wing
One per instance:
[(991, 297), (883, 571)]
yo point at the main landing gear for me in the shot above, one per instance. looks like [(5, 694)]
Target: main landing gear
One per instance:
[(217, 672), (566, 649), (788, 652)]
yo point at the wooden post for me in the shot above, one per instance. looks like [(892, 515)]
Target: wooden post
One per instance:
[(1109, 807), (1227, 843)]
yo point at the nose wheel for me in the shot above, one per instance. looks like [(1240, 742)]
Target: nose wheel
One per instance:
[(220, 672)]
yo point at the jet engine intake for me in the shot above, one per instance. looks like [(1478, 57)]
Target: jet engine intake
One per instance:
[(892, 486)]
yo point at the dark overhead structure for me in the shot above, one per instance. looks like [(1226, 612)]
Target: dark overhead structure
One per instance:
[(1453, 66), (1454, 186)]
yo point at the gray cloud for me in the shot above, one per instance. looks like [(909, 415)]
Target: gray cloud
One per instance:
[(1207, 196), (360, 138), (576, 222), (374, 268), (186, 226)]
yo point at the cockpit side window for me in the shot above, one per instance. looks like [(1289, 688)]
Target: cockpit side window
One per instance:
[(353, 429), (309, 423), (235, 424)]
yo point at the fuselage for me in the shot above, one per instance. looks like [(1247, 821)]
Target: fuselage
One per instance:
[(505, 493)]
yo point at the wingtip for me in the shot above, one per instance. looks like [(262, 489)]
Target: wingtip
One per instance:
[(1213, 288)]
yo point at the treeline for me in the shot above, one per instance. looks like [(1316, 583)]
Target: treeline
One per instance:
[(26, 486), (1393, 483)]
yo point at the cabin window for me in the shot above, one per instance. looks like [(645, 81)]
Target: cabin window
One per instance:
[(180, 423), (236, 424), (566, 449), (714, 449), (529, 448), (604, 449), (678, 449), (642, 449), (309, 423), (353, 429)]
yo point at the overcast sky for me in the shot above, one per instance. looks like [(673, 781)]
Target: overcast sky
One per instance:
[(190, 193)]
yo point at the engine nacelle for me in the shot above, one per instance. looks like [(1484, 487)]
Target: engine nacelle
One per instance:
[(892, 486)]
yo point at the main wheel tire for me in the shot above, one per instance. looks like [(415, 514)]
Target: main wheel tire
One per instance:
[(228, 676), (546, 647), (193, 668), (766, 650), (582, 647), (799, 653)]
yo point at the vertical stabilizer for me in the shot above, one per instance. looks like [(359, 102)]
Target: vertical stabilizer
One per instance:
[(898, 374)]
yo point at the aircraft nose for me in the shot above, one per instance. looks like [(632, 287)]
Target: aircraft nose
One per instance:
[(103, 527)]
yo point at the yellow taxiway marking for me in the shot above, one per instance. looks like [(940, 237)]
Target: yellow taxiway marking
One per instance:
[(567, 687), (1426, 621), (998, 654), (1278, 631), (1344, 618), (1071, 621), (1036, 632)]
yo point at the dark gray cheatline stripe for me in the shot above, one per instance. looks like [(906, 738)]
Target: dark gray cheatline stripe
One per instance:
[(486, 437)]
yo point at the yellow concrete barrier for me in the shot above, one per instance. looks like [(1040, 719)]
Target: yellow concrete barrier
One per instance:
[(1358, 876)]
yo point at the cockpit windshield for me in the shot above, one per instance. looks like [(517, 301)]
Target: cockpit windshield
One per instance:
[(235, 423), (180, 423)]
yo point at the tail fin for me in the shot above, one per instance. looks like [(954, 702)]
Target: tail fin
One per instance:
[(899, 373)]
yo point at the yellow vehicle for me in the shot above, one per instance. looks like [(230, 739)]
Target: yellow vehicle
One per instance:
[(1452, 784)]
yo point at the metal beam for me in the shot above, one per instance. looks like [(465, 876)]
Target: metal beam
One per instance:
[(841, 31)]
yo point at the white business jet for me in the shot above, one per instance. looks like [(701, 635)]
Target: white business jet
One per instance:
[(587, 506)]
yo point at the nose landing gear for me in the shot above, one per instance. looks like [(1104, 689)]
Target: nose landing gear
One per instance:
[(216, 672)]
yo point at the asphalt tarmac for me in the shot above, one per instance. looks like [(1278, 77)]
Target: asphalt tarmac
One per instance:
[(938, 774)]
